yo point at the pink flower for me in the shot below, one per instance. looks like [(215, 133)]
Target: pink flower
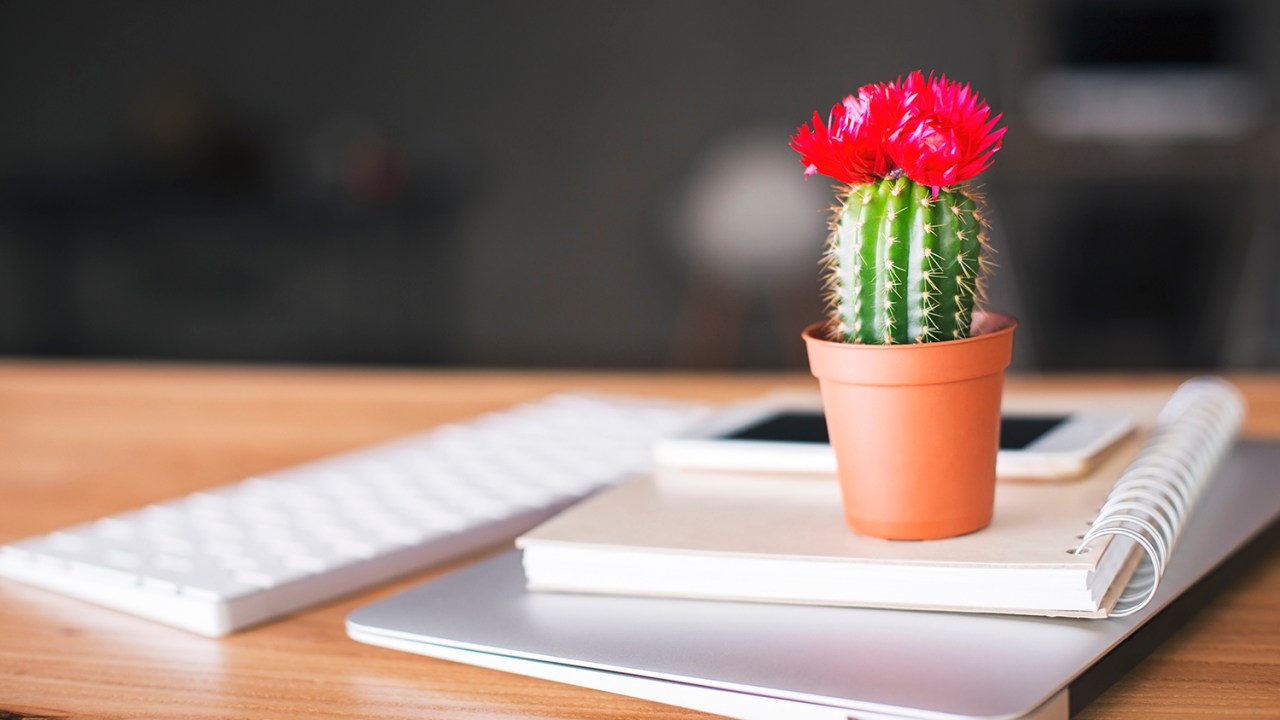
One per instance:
[(851, 146), (946, 135), (936, 132)]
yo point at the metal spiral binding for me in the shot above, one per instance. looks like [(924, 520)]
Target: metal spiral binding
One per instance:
[(1157, 491)]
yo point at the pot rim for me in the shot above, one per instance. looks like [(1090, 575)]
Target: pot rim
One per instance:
[(1004, 324), (927, 363)]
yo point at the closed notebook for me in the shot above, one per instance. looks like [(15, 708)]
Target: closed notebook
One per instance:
[(782, 538)]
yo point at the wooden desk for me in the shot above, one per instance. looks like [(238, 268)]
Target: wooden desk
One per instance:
[(81, 441)]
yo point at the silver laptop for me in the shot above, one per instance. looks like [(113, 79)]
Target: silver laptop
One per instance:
[(750, 660)]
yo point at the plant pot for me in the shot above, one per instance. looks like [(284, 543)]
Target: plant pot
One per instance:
[(915, 428)]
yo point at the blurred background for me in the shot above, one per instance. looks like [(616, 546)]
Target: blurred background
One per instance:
[(587, 184)]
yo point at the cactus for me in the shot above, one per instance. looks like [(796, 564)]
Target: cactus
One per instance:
[(905, 260), (903, 266)]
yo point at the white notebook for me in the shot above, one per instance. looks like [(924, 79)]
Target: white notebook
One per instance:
[(1069, 549)]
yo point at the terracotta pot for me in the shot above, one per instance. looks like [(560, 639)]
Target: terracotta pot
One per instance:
[(915, 428)]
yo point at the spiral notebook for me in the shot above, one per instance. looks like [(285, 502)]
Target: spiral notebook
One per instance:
[(1092, 548)]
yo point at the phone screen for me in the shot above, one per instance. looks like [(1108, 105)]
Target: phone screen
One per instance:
[(1015, 432)]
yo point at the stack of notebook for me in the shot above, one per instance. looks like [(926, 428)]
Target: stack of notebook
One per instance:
[(781, 538), (657, 570)]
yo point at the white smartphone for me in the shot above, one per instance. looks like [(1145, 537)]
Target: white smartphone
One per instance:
[(768, 437)]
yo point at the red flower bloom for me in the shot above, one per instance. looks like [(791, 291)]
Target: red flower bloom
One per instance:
[(936, 132), (946, 135), (851, 146)]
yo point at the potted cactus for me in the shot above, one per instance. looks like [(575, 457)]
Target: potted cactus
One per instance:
[(910, 368)]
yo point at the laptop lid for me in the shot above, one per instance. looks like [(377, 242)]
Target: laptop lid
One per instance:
[(835, 662)]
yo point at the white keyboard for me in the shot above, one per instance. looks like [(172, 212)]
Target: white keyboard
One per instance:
[(220, 560)]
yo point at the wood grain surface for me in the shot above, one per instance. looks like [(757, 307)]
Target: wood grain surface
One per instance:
[(78, 441)]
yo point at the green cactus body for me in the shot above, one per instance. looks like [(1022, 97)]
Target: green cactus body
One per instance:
[(904, 266)]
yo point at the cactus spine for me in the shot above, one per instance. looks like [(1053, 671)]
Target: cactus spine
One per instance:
[(904, 265)]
